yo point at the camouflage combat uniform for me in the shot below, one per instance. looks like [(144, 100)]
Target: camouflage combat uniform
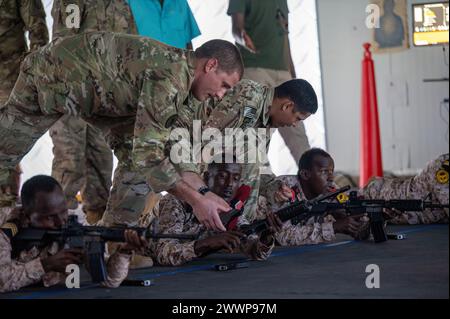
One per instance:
[(82, 159), (433, 179), (25, 268), (16, 17), (133, 88), (312, 231), (247, 106), (175, 217)]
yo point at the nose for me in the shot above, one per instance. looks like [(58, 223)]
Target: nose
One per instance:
[(228, 181), (220, 94), (330, 177)]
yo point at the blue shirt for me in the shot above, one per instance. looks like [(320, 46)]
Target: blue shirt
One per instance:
[(173, 24)]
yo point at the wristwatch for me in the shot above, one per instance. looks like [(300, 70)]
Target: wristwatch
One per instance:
[(203, 190)]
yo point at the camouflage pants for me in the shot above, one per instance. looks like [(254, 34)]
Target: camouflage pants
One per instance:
[(14, 180), (130, 192), (433, 179), (4, 94), (22, 123), (82, 162)]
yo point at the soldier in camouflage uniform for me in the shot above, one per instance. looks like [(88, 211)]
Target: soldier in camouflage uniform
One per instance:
[(16, 17), (136, 90), (175, 217), (315, 177), (82, 159), (44, 206), (433, 179)]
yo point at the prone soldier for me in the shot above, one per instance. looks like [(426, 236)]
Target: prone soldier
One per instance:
[(314, 178), (433, 180), (44, 206), (175, 217)]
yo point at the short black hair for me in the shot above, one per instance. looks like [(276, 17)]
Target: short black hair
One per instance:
[(301, 93), (38, 183), (307, 159), (228, 55)]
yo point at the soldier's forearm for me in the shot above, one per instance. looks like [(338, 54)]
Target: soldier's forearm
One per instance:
[(15, 275), (117, 269), (185, 192), (193, 180)]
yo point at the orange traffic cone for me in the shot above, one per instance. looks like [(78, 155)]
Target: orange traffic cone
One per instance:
[(370, 152)]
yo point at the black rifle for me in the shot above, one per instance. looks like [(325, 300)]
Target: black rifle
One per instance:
[(89, 238), (374, 209), (293, 211)]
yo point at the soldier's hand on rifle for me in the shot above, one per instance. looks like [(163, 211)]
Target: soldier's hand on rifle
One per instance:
[(207, 211), (284, 194), (275, 226), (229, 241), (389, 214), (134, 242), (62, 259), (350, 225)]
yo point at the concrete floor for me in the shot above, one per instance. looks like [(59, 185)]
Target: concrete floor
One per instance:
[(413, 268)]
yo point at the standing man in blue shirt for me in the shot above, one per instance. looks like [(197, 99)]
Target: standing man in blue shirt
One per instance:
[(168, 21)]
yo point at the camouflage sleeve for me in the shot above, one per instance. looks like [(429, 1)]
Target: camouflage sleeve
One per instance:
[(255, 249), (13, 274), (310, 233), (157, 113), (433, 179), (33, 16), (172, 252), (117, 269), (270, 184), (4, 214)]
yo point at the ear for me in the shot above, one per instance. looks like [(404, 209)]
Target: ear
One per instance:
[(304, 174), (211, 65), (287, 106)]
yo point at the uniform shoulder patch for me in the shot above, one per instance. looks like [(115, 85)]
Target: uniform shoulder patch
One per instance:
[(249, 112), (249, 115)]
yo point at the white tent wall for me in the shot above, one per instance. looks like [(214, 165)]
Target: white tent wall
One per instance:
[(214, 23)]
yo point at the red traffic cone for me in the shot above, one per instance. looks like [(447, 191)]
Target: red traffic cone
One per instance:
[(370, 151)]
